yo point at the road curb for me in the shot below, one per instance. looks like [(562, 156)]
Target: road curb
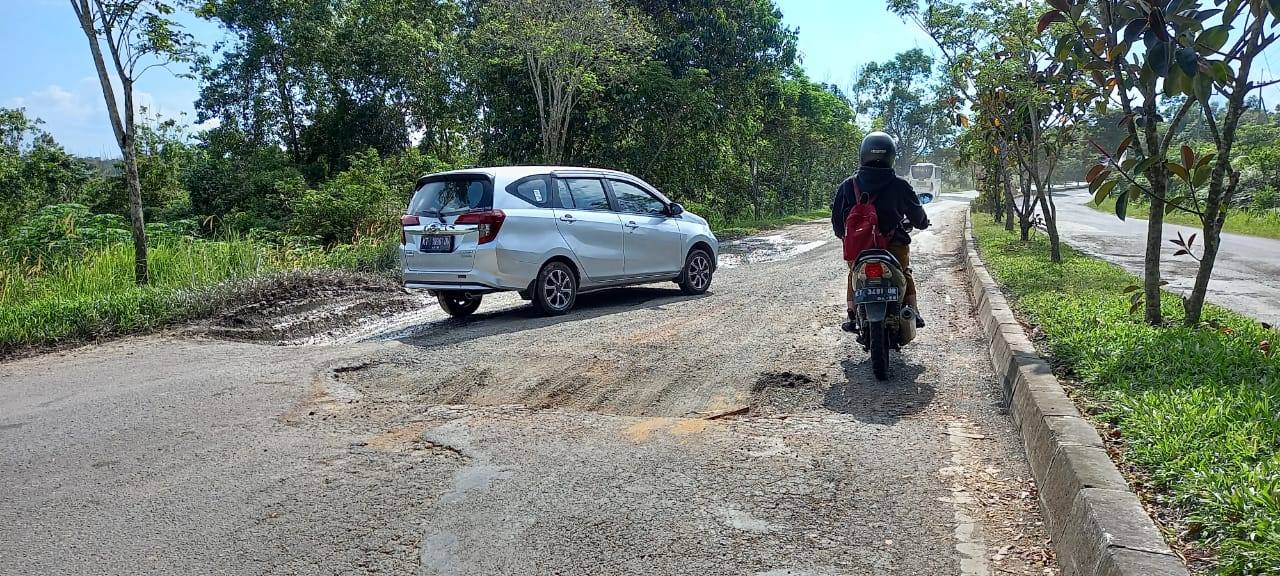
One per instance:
[(1099, 528)]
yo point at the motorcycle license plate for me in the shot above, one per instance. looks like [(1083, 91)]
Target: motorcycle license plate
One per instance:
[(885, 294), (437, 243)]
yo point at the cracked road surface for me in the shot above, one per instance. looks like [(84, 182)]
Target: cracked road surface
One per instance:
[(646, 432)]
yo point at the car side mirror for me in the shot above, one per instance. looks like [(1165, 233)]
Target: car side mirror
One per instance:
[(675, 209)]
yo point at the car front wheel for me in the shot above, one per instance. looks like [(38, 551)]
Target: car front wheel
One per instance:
[(696, 276), (556, 289)]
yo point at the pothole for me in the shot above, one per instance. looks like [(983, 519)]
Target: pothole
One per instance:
[(761, 249)]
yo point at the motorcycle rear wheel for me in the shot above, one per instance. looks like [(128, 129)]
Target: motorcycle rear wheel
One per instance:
[(878, 339)]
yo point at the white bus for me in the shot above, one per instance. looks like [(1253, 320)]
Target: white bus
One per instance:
[(926, 179)]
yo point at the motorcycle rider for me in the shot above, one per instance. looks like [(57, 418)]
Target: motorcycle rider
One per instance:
[(897, 210)]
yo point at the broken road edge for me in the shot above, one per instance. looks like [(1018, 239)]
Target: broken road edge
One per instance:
[(1098, 526)]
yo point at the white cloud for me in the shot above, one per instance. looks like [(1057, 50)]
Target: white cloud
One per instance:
[(209, 124), (55, 102), (76, 114)]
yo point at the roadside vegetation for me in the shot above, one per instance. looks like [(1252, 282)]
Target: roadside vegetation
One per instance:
[(1195, 406)]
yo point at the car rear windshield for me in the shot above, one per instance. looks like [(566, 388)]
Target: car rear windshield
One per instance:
[(447, 195)]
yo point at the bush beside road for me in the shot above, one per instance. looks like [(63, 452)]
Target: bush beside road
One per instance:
[(1195, 408)]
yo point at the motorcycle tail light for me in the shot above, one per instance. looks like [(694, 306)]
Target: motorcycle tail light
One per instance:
[(873, 270)]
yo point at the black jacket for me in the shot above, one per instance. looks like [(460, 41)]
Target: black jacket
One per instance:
[(895, 202)]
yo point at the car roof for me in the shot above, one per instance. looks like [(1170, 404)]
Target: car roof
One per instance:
[(510, 173), (517, 172)]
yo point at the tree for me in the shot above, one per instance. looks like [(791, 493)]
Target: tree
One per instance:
[(1140, 55), (1026, 106), (569, 49), (34, 170), (139, 35), (1230, 78), (895, 93), (329, 79)]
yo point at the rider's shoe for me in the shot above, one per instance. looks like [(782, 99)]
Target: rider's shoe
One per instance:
[(919, 320), (849, 326)]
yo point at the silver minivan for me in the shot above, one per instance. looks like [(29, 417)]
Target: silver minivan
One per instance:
[(549, 233)]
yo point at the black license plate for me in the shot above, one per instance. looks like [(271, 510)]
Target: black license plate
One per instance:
[(437, 243), (885, 294)]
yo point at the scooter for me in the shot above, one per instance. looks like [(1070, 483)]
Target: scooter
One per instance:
[(880, 318)]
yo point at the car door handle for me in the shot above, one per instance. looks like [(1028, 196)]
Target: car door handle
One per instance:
[(567, 218), (631, 225)]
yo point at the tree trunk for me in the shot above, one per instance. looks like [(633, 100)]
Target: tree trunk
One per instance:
[(1028, 208), (1009, 203), (1194, 304), (1224, 180), (141, 271), (285, 93), (755, 189), (1051, 227), (782, 190), (123, 129), (1151, 264)]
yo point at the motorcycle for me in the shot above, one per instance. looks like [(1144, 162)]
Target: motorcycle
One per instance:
[(880, 318)]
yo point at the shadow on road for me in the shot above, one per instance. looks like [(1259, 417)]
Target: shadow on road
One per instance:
[(526, 317), (879, 402)]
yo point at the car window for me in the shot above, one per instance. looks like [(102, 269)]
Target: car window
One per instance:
[(566, 197), (531, 189), (584, 193), (453, 195), (634, 200)]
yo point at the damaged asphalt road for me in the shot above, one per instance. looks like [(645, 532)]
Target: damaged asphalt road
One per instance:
[(646, 432)]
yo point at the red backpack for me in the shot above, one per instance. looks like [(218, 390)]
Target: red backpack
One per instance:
[(862, 227)]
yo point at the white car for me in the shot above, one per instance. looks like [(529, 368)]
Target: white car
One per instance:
[(549, 233)]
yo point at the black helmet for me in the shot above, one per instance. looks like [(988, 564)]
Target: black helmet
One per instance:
[(878, 150)]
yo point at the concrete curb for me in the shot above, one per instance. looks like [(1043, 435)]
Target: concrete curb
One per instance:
[(1097, 525)]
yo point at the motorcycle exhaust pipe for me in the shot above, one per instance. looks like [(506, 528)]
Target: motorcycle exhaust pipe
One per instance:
[(906, 325)]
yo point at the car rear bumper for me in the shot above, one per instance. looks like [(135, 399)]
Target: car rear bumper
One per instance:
[(494, 270)]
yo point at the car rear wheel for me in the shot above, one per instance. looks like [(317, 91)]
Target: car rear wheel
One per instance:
[(696, 276), (556, 289), (458, 304)]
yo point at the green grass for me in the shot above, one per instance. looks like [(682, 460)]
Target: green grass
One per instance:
[(96, 295), (1199, 409), (1264, 224), (740, 228)]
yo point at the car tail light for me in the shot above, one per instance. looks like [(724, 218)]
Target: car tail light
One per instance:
[(407, 220), (487, 222), (873, 270)]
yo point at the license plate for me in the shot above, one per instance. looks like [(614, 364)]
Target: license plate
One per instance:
[(437, 243), (885, 294)]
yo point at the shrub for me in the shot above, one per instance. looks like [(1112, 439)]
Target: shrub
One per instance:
[(61, 232), (358, 202)]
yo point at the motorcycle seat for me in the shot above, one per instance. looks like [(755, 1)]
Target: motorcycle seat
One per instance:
[(877, 254)]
